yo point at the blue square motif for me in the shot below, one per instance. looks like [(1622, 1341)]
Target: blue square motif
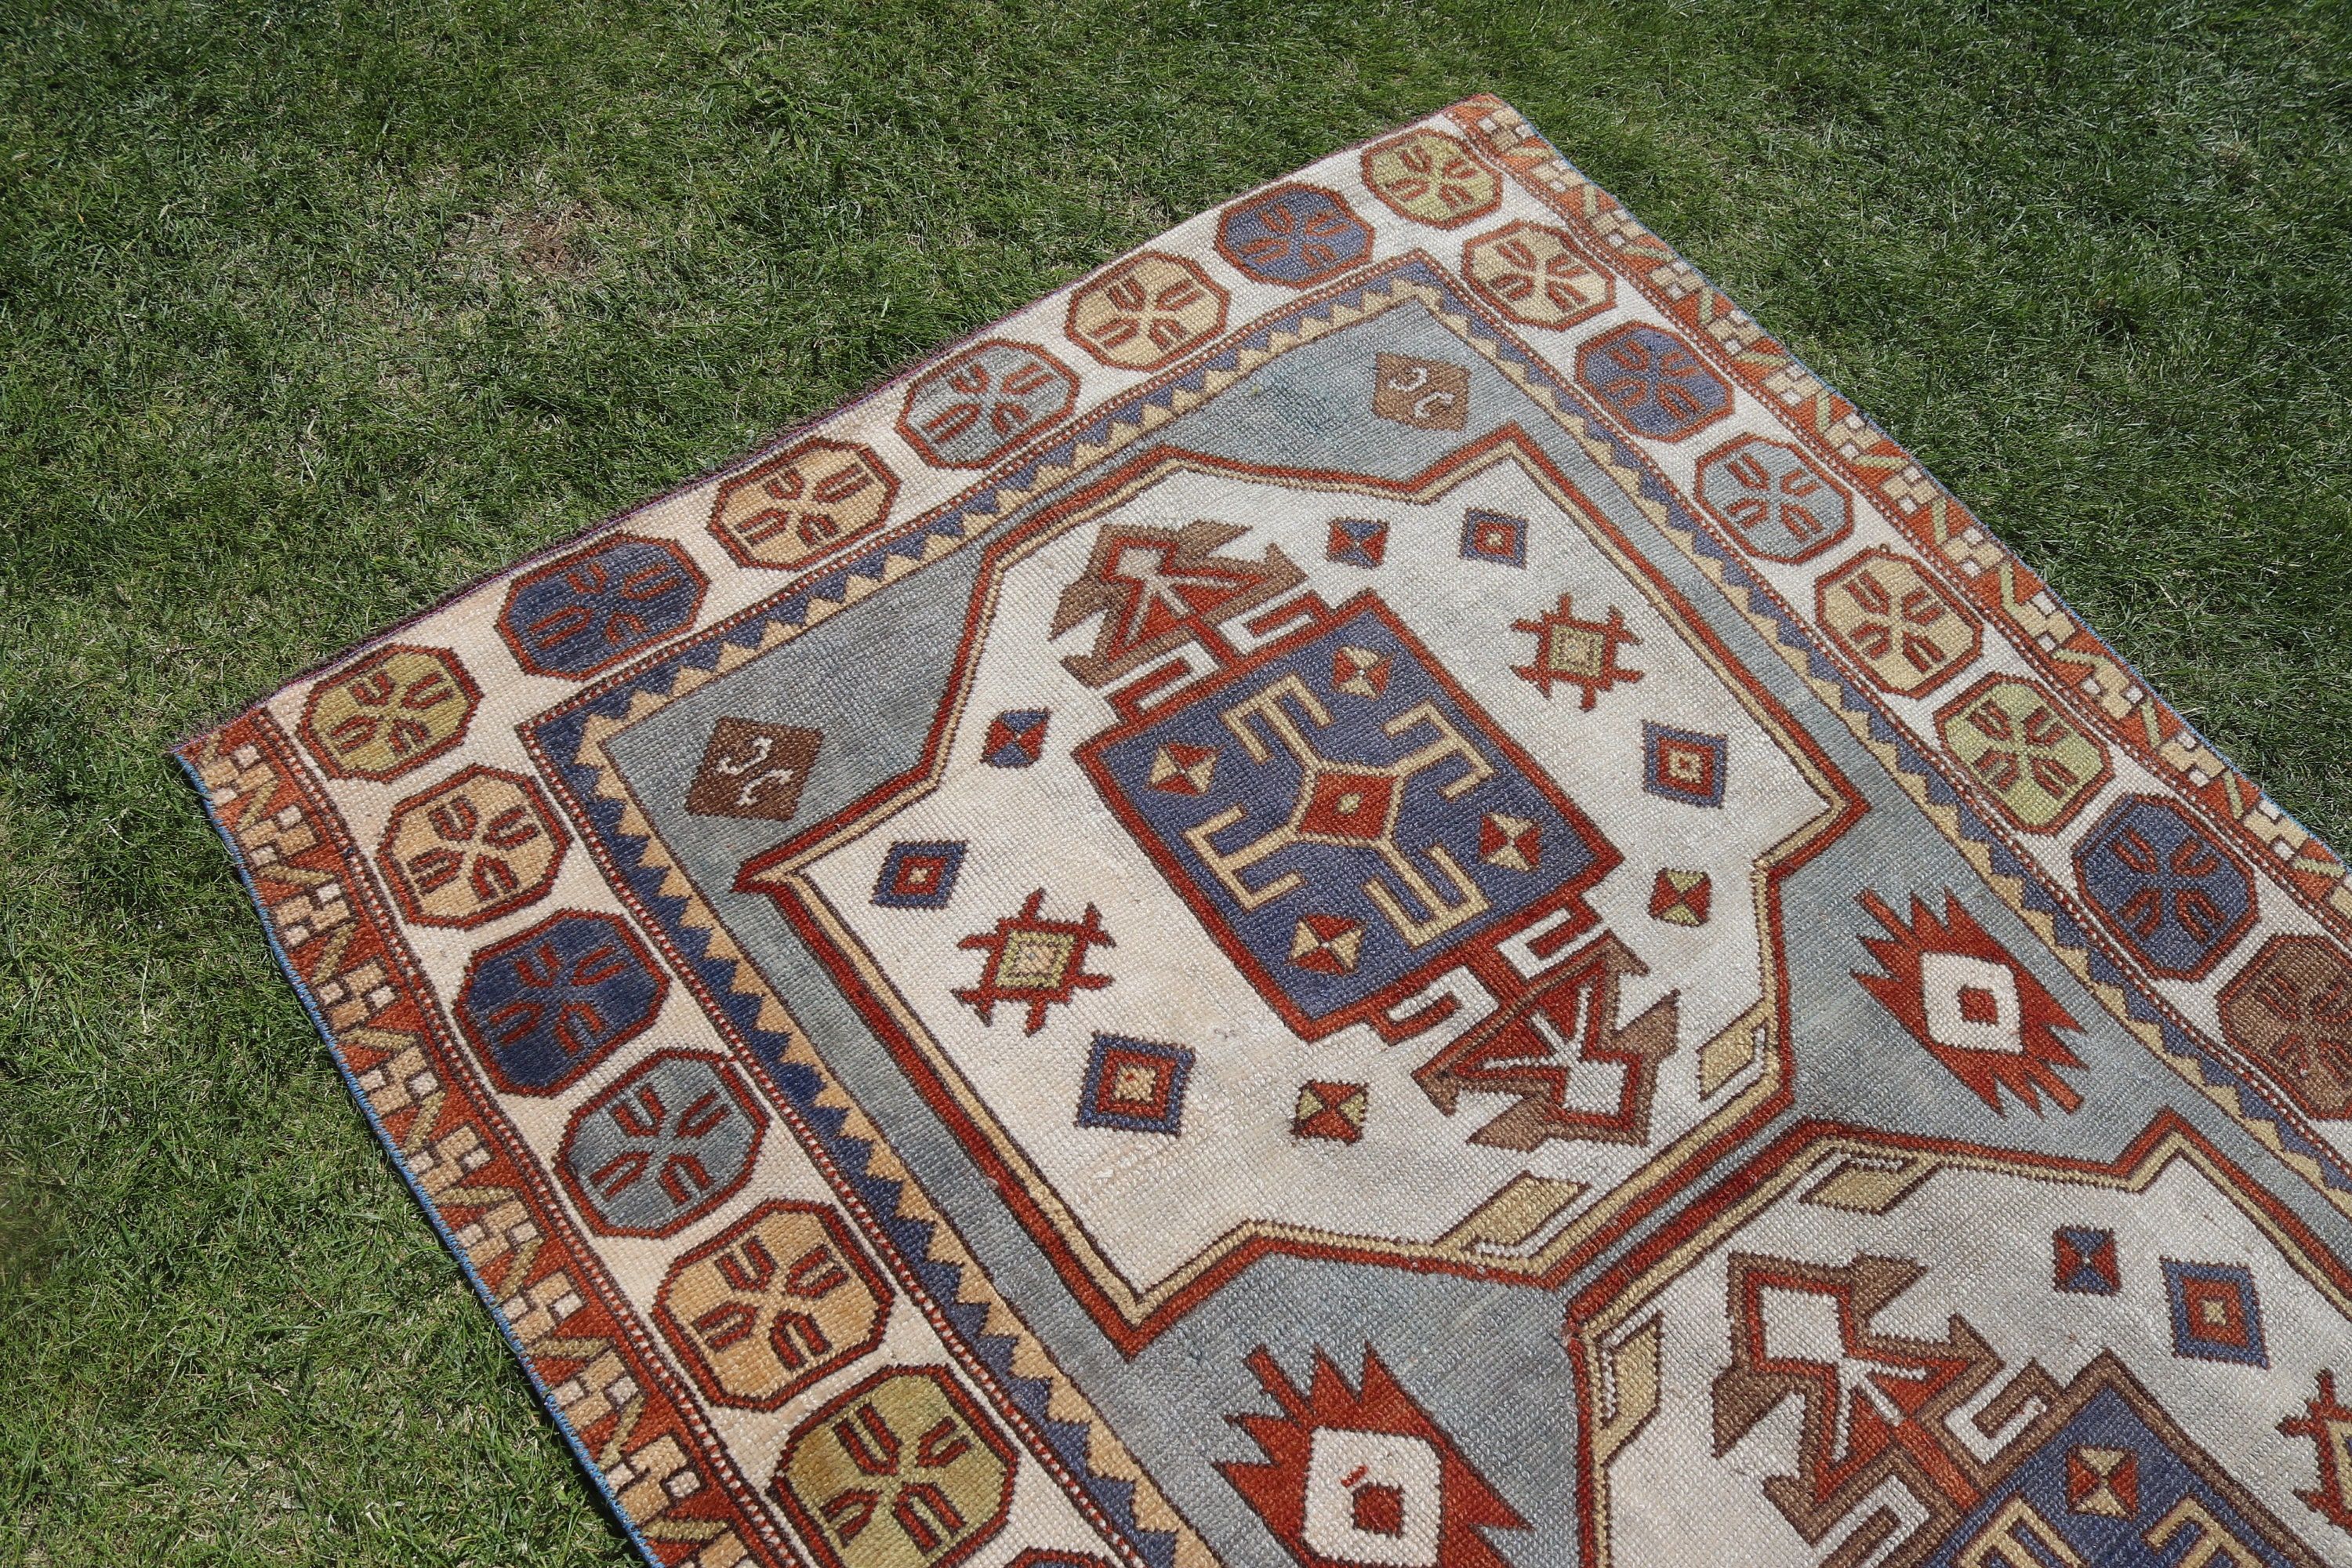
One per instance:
[(918, 876), (1493, 536), (2215, 1313), (1134, 1086)]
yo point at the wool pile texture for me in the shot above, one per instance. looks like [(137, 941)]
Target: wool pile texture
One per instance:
[(1372, 890)]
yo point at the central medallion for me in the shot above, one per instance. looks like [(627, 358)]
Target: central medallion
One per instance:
[(1363, 912), (1358, 819)]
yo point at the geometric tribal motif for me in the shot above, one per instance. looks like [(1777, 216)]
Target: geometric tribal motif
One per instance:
[(754, 770), (2216, 1316), (1134, 1085), (2087, 1260), (918, 876), (1358, 541), (1682, 765), (1032, 960), (1432, 178), (1681, 898), (1532, 274), (663, 1146), (2165, 887), (1962, 995), (982, 402), (1492, 536), (1577, 652), (394, 711), (1142, 948), (1294, 235), (548, 1004), (1654, 383), (1362, 1475), (1425, 393), (1016, 738), (1774, 498), (1332, 1111), (2328, 1424)]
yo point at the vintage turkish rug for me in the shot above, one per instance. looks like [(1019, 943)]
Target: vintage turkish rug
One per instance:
[(1373, 889)]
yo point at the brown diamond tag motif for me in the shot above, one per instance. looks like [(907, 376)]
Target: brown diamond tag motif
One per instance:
[(751, 769), (1426, 394)]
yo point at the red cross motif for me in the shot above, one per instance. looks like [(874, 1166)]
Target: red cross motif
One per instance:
[(1035, 961)]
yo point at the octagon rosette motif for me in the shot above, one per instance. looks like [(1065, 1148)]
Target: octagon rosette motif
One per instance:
[(802, 503), (1534, 274), (583, 613), (548, 1004), (478, 845), (394, 710), (1293, 235), (981, 403), (1146, 310), (1432, 178)]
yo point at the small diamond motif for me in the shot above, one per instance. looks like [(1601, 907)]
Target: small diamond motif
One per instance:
[(1358, 541), (2103, 1482), (1134, 1086), (1178, 769), (1327, 944), (1495, 537), (1331, 1112), (1358, 672), (1682, 764), (1350, 807), (918, 876), (2215, 1313), (2085, 1261), (1016, 737), (1681, 898), (1510, 841)]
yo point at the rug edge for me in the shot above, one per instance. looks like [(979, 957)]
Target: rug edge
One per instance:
[(545, 1397)]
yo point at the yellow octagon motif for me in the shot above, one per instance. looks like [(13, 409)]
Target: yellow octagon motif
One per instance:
[(1430, 178), (398, 707)]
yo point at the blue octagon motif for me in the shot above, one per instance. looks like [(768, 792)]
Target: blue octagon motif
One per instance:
[(1783, 510), (578, 616), (2164, 888), (663, 1146), (1652, 381), (1297, 235), (544, 1006), (1374, 822)]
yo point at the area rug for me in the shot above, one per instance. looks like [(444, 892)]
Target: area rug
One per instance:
[(1373, 889)]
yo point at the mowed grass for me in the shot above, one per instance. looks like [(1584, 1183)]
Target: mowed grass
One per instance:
[(312, 313)]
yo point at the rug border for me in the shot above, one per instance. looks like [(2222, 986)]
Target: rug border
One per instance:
[(578, 1446)]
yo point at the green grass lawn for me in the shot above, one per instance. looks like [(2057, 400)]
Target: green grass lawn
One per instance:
[(310, 314)]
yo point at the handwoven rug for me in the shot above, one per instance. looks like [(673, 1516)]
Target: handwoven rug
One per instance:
[(1372, 890)]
